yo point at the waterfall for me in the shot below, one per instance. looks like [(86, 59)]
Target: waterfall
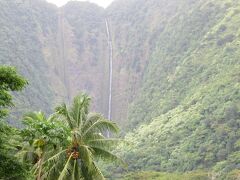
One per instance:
[(110, 48)]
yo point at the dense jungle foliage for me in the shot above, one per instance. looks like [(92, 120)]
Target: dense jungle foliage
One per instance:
[(187, 112), (176, 89), (65, 145), (10, 167)]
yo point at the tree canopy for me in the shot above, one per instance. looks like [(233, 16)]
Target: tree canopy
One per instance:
[(10, 81), (10, 167)]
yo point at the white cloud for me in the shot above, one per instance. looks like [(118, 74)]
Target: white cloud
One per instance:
[(103, 3)]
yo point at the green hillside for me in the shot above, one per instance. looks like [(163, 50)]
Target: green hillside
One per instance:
[(23, 29), (188, 109)]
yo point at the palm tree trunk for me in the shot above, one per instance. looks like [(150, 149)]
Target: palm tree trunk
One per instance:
[(40, 168)]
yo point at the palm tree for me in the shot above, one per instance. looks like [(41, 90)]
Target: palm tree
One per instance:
[(87, 143)]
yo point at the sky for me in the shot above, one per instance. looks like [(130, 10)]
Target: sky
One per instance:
[(103, 3)]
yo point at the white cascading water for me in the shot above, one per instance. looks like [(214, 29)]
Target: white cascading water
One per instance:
[(110, 47)]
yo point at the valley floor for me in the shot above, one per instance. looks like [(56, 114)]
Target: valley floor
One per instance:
[(196, 175)]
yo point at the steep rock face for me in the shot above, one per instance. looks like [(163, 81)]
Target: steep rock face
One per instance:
[(61, 51), (86, 52), (135, 29), (131, 46)]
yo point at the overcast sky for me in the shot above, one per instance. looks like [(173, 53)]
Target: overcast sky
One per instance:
[(103, 3)]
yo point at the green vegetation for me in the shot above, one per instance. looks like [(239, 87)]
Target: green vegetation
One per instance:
[(10, 168), (9, 81), (22, 34), (195, 175), (176, 89), (186, 114), (42, 138), (168, 176), (87, 140), (69, 143)]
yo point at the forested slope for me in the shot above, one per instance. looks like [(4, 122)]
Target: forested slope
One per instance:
[(21, 46), (187, 110)]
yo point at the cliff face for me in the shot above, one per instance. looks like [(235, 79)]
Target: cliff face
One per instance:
[(85, 52), (61, 51), (135, 28)]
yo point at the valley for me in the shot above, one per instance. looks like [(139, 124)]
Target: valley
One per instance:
[(166, 71)]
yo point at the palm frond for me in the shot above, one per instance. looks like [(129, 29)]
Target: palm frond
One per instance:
[(56, 157), (76, 174), (104, 143), (93, 136), (66, 170), (92, 118), (106, 155), (76, 111), (53, 165), (63, 111), (80, 109), (74, 170), (101, 126), (86, 156), (50, 173), (97, 172)]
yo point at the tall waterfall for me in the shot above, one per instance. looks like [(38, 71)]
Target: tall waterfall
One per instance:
[(110, 47)]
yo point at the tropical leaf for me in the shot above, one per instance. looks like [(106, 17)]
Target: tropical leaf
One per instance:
[(101, 126), (66, 170), (80, 108), (92, 118), (70, 140), (106, 155), (86, 156), (63, 111), (56, 157), (97, 172), (104, 143)]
